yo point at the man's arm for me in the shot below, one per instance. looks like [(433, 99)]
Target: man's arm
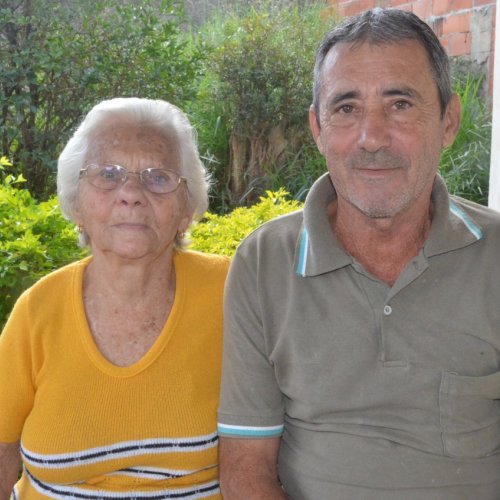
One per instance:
[(10, 460), (248, 469)]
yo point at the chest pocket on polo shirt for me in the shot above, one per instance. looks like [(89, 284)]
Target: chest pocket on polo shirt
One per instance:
[(470, 415)]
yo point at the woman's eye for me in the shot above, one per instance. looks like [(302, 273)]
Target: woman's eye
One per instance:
[(109, 173), (160, 178)]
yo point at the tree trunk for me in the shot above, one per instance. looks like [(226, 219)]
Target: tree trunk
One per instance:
[(252, 159), (238, 160)]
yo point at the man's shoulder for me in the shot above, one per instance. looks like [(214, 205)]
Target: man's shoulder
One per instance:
[(487, 218)]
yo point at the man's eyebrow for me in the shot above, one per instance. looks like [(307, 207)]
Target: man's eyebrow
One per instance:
[(336, 98), (402, 91)]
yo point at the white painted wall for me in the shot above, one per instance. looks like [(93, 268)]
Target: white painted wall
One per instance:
[(494, 189)]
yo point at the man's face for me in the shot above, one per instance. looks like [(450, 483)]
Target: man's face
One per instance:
[(380, 126)]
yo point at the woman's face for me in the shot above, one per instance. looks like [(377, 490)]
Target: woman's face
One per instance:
[(129, 221)]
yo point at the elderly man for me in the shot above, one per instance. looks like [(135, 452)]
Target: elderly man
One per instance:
[(362, 343)]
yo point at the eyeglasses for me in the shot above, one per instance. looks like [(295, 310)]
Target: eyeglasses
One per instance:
[(109, 177)]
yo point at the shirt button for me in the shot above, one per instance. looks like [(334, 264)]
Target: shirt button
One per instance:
[(387, 310)]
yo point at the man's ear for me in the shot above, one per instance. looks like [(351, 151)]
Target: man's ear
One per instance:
[(451, 121), (315, 128)]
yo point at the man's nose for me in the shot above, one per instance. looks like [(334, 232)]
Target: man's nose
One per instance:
[(374, 131)]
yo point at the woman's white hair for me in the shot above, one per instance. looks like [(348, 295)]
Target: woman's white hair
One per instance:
[(160, 115)]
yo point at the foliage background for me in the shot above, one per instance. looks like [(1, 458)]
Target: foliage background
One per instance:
[(465, 165), (58, 59), (244, 77), (36, 239), (258, 67)]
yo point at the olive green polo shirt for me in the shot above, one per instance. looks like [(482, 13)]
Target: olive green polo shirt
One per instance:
[(378, 392)]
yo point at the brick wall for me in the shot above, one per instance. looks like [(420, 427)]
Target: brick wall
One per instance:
[(466, 28)]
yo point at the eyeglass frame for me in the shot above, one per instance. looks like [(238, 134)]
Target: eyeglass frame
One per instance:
[(84, 171)]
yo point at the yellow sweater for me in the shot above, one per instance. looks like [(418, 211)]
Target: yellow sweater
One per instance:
[(93, 430)]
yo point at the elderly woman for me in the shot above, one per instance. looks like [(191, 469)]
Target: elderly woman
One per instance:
[(109, 367)]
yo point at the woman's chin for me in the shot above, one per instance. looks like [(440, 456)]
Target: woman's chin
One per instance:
[(130, 250)]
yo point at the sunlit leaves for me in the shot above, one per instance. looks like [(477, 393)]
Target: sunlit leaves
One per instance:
[(221, 234)]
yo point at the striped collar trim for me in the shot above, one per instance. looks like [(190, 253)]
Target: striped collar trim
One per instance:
[(119, 450), (303, 253), (468, 222)]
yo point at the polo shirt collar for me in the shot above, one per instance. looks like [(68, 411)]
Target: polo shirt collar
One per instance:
[(452, 228), (318, 251)]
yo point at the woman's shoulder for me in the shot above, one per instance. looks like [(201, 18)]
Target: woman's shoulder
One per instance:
[(50, 293), (203, 262), (55, 281)]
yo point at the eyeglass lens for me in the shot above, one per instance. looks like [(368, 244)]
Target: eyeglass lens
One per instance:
[(109, 177)]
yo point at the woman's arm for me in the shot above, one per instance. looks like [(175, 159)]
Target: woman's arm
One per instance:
[(10, 460), (248, 469)]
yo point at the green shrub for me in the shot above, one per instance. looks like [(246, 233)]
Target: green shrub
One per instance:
[(221, 234), (35, 240), (465, 165), (58, 59), (255, 97)]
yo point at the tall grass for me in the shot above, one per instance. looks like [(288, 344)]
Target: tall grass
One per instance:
[(299, 171), (465, 165)]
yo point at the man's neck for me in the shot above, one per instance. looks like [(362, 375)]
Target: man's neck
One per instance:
[(383, 246)]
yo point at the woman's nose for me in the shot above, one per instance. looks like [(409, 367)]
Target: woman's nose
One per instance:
[(132, 191)]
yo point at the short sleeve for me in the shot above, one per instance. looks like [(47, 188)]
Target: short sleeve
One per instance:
[(251, 404), (16, 374)]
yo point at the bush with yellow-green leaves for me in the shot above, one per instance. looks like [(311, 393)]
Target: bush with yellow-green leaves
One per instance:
[(221, 234), (34, 239)]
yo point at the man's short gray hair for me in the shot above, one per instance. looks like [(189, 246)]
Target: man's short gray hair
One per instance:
[(160, 115), (385, 26)]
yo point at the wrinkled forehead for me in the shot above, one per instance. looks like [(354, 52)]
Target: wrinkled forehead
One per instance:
[(119, 135), (405, 63), (374, 50)]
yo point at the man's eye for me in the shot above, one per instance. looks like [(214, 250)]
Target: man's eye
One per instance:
[(346, 109), (400, 105)]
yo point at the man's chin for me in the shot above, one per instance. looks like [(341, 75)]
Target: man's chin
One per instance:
[(382, 210)]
